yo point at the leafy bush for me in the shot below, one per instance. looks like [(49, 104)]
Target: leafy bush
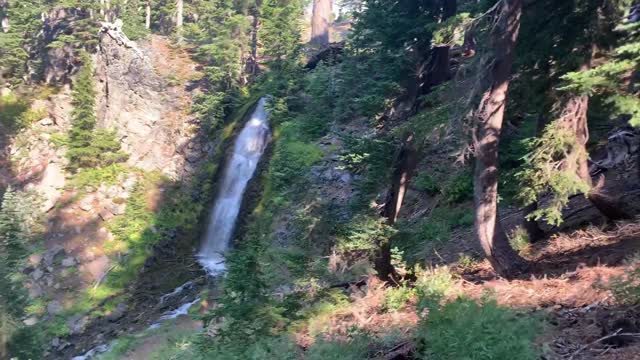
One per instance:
[(432, 285), (626, 289), (519, 240), (551, 168), (16, 114), (425, 182), (94, 177), (355, 348), (364, 232), (465, 329), (396, 298), (460, 188), (291, 160)]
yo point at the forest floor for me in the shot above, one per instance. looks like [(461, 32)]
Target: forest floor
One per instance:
[(569, 284)]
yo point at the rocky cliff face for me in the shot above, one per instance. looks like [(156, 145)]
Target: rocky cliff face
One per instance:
[(151, 117), (149, 112)]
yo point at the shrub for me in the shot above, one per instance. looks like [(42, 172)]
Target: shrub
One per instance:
[(460, 188), (94, 177), (626, 289), (466, 329), (519, 240), (396, 298), (432, 285), (425, 182), (15, 113), (291, 161), (355, 348)]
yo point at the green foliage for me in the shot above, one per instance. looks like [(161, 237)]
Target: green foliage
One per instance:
[(88, 147), (94, 177), (375, 171), (355, 348), (396, 298), (551, 166), (19, 220), (432, 285), (626, 288), (291, 159), (459, 188), (425, 182), (364, 232), (465, 329), (132, 14), (16, 114), (519, 240), (432, 231), (610, 78), (21, 43)]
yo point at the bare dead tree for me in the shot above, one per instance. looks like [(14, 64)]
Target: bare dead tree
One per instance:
[(147, 17)]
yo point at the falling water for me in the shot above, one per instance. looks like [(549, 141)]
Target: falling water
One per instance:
[(247, 151)]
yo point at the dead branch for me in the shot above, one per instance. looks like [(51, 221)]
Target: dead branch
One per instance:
[(614, 334)]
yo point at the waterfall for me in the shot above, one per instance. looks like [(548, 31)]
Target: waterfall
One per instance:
[(247, 150)]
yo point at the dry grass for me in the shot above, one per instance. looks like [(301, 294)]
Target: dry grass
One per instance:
[(364, 312)]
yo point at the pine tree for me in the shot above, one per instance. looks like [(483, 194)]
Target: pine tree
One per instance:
[(557, 163), (13, 249), (12, 235), (83, 120), (20, 39), (89, 147)]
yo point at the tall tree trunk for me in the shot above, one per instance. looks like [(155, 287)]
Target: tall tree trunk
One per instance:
[(531, 225), (320, 22), (405, 165), (574, 118), (252, 66), (179, 18), (486, 136), (4, 15), (407, 160), (438, 69), (147, 18)]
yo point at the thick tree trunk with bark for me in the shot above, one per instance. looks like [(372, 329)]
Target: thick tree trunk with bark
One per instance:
[(486, 136), (574, 118), (438, 70), (320, 18)]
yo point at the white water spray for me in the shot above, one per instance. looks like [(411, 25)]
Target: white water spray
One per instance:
[(248, 148)]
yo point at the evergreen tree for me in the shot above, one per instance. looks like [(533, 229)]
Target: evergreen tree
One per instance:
[(87, 147), (83, 121), (20, 40), (557, 163), (12, 252)]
